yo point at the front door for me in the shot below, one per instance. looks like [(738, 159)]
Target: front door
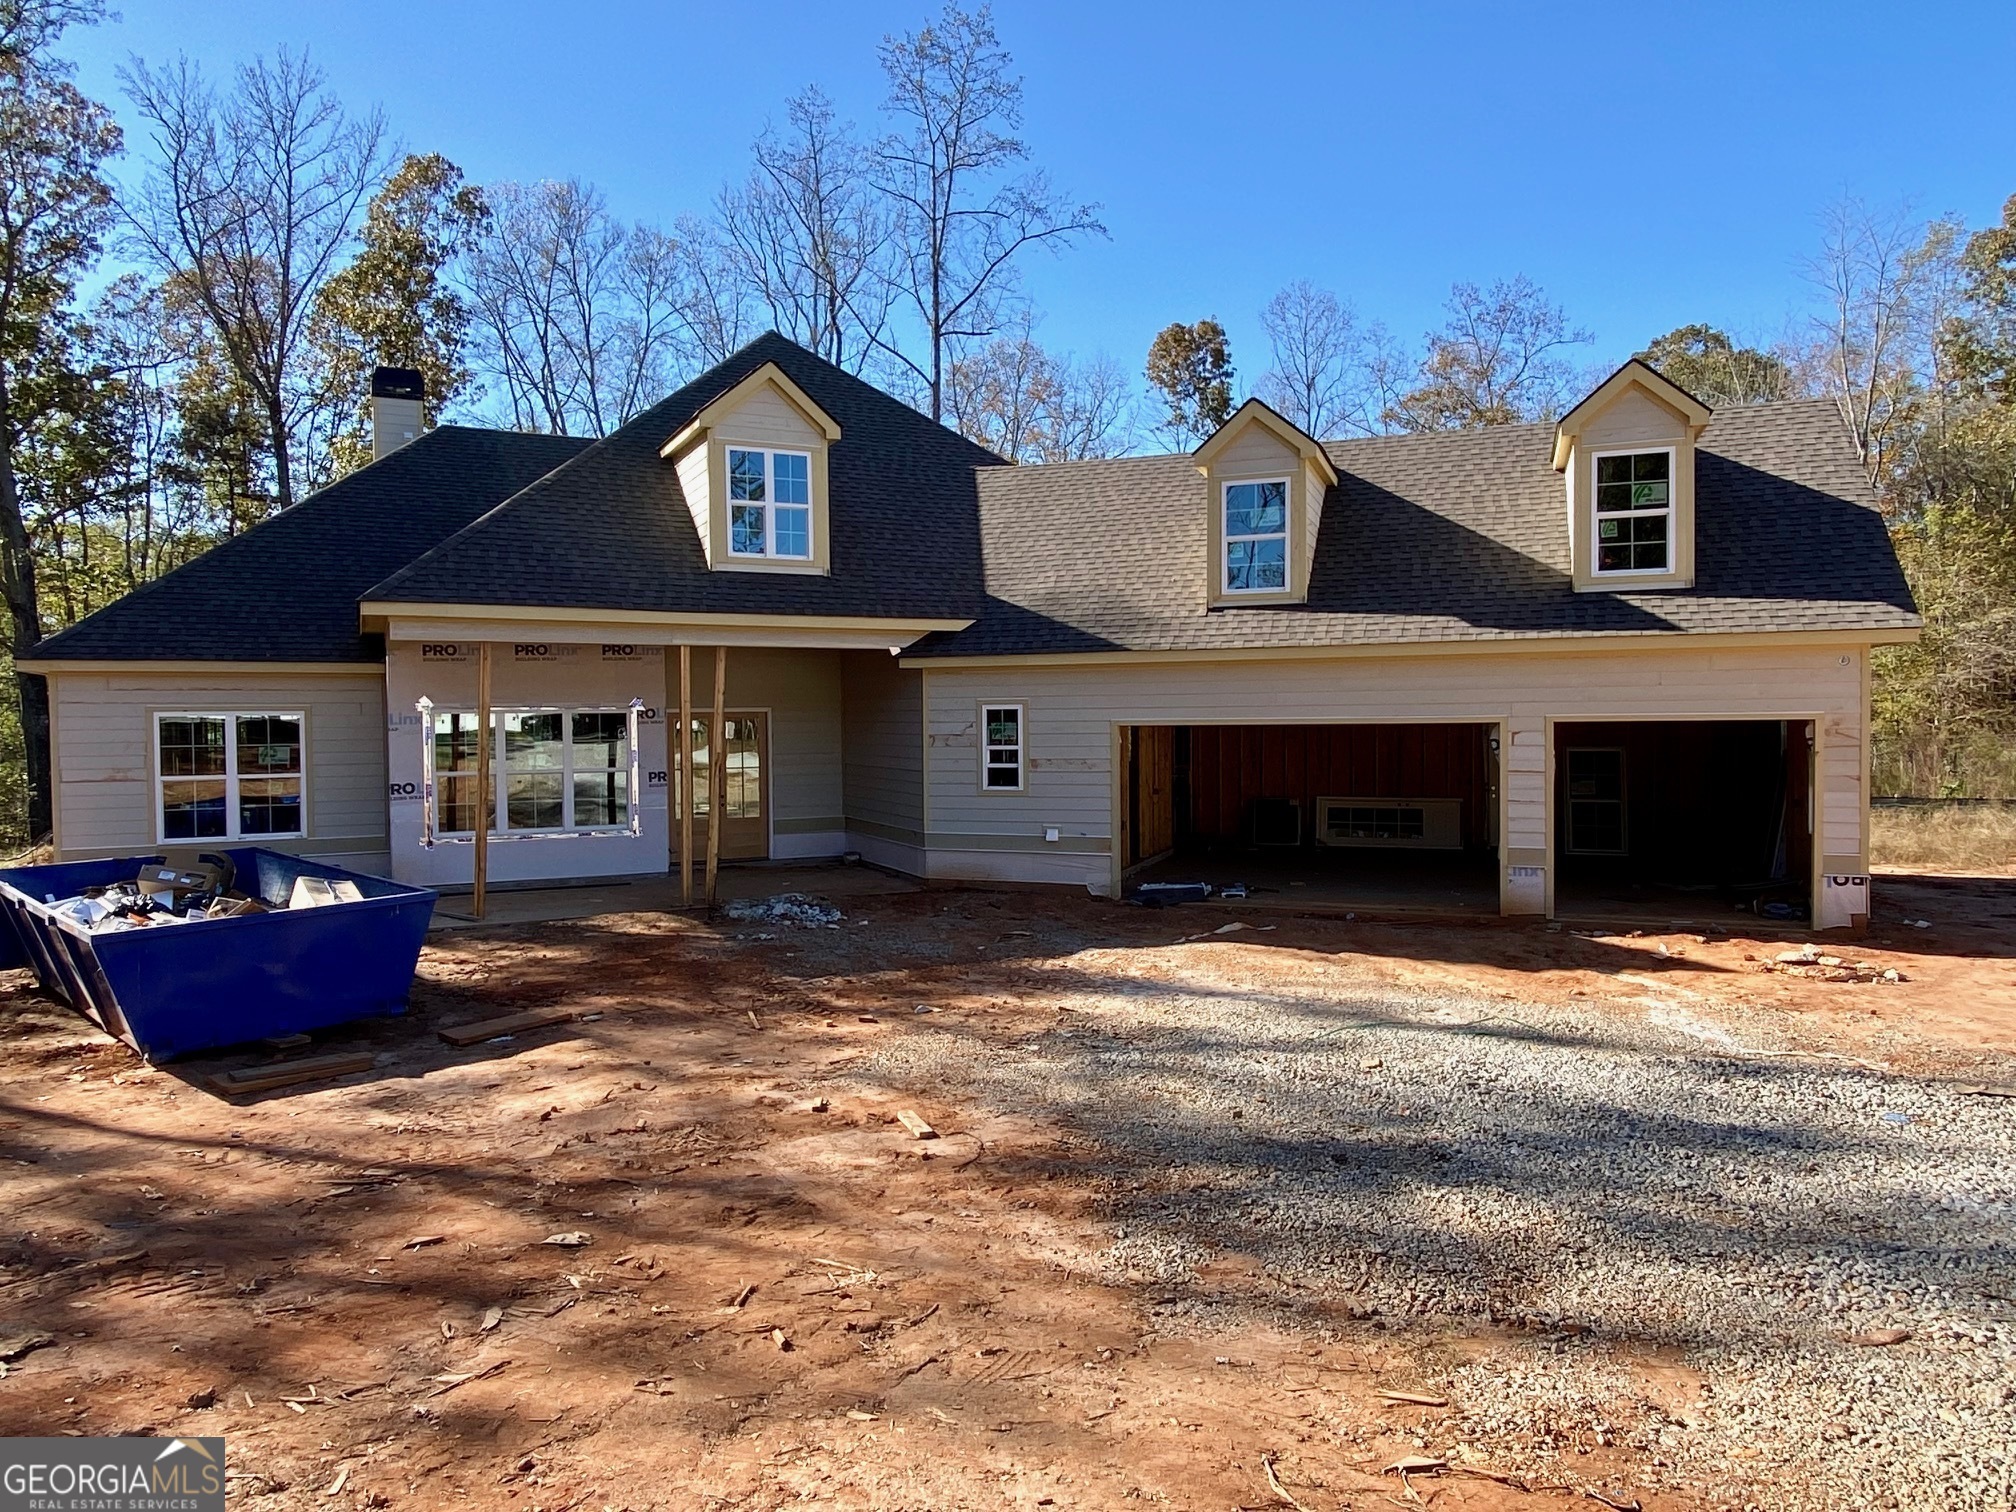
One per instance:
[(745, 787)]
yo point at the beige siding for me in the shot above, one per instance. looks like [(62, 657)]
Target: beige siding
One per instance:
[(767, 418), (693, 482), (1071, 713), (104, 754), (1635, 417), (801, 691), (883, 711)]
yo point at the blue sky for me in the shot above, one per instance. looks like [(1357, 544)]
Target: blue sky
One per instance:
[(1648, 166)]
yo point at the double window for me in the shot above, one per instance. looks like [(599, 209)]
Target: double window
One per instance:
[(1256, 536), (1001, 747), (228, 776), (1634, 511), (769, 504), (554, 771)]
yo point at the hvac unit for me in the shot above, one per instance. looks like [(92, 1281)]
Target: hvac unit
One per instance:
[(1411, 823)]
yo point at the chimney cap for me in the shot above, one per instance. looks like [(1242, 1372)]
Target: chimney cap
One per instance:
[(397, 383)]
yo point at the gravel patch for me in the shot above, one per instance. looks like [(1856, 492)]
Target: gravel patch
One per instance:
[(1624, 1186)]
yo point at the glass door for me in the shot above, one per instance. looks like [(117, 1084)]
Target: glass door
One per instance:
[(744, 787)]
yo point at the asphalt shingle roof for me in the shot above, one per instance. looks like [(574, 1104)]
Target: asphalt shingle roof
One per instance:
[(611, 530), (1456, 536), (287, 589)]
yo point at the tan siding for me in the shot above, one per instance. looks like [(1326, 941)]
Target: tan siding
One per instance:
[(693, 483), (1256, 449), (884, 711), (104, 752), (1070, 712), (801, 689), (767, 418), (1633, 418)]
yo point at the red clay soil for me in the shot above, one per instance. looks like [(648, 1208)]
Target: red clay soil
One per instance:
[(369, 1286)]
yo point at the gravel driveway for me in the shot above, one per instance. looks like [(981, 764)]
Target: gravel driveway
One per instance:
[(1635, 1183)]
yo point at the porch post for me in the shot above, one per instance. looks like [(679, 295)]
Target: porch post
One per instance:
[(483, 792), (682, 753), (717, 761)]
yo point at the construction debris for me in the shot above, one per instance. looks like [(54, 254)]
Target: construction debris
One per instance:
[(1809, 961), (786, 908), (916, 1125), (477, 1032)]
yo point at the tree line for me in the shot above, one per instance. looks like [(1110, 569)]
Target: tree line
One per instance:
[(274, 245)]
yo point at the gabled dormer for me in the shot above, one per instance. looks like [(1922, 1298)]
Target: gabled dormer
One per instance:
[(752, 465), (1265, 480), (1628, 454)]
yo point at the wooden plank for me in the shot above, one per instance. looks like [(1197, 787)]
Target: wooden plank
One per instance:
[(717, 774), (287, 1073), (511, 1023), (916, 1124), (683, 747), (483, 785)]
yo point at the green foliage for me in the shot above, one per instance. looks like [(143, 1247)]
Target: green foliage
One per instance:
[(1191, 367), (394, 304), (1711, 367)]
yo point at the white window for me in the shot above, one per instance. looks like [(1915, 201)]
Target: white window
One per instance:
[(553, 771), (1634, 511), (769, 504), (1001, 747), (228, 776), (1256, 536)]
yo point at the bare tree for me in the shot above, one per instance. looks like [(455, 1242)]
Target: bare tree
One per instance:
[(1884, 279), (808, 234), (251, 204), (1498, 361), (580, 321), (960, 225), (716, 305), (1025, 404), (1324, 376)]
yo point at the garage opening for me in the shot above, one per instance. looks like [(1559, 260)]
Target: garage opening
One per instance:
[(1328, 816), (1691, 820)]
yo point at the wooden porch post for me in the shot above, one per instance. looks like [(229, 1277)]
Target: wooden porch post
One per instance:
[(483, 784), (682, 753), (717, 760)]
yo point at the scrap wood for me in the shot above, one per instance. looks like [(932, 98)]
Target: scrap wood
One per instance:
[(1274, 1484), (1634, 1505), (915, 1123), (1415, 1398), (335, 1487), (450, 1382), (476, 1032), (1979, 1090), (287, 1073)]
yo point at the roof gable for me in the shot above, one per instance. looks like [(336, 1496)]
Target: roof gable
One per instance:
[(1635, 374), (1254, 412), (768, 376)]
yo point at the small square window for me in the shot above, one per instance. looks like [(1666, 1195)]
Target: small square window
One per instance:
[(745, 475)]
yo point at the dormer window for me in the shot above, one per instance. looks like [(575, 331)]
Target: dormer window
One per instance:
[(1634, 512), (1256, 536), (769, 504)]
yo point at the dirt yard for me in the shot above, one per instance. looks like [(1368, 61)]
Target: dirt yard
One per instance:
[(1635, 1220)]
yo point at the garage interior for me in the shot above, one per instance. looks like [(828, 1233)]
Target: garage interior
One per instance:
[(1387, 817), (1683, 820)]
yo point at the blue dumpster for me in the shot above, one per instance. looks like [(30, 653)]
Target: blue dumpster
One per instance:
[(170, 989)]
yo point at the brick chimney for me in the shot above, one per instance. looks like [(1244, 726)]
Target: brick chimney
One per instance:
[(398, 408)]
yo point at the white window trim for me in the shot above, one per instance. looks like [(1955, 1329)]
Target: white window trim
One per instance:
[(500, 774), (231, 775), (1597, 515), (1021, 749), (768, 503), (1226, 538)]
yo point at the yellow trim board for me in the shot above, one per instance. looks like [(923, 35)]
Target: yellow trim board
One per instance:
[(1254, 412), (771, 375), (1563, 645)]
